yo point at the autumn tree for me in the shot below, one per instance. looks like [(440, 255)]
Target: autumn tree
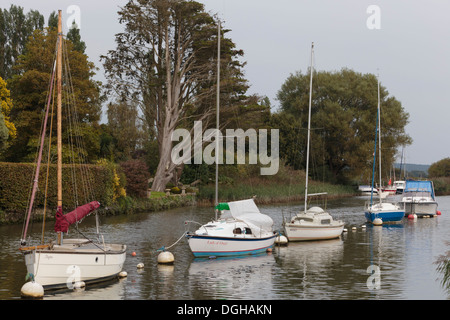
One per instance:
[(344, 109), (30, 86), (5, 109), (165, 63)]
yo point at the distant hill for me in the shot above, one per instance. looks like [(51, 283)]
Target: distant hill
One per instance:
[(415, 170)]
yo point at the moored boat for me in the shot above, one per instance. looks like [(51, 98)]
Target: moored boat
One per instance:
[(63, 263), (419, 198), (241, 230)]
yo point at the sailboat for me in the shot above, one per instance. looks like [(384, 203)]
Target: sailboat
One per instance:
[(381, 212), (241, 229), (313, 223), (61, 264)]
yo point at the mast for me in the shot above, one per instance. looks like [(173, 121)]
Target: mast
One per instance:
[(375, 149), (217, 117), (59, 116), (379, 135), (309, 126)]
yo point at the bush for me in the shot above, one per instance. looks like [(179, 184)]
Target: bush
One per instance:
[(16, 183), (137, 175)]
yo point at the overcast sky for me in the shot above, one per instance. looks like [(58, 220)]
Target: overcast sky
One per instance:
[(406, 42)]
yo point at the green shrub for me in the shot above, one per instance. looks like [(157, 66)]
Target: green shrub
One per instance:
[(16, 184)]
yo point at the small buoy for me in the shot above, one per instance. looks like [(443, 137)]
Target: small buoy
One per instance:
[(363, 226), (32, 290), (377, 222), (140, 265), (281, 240), (438, 213), (123, 274), (133, 254), (165, 257), (345, 230), (353, 228), (79, 286), (269, 249)]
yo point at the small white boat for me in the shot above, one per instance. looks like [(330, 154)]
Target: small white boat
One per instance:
[(76, 260), (314, 224), (68, 261), (241, 230), (399, 186), (419, 198)]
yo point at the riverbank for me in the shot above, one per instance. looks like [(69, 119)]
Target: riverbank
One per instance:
[(126, 205)]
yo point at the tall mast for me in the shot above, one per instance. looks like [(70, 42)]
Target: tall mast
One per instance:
[(217, 117), (309, 126), (379, 135), (58, 113)]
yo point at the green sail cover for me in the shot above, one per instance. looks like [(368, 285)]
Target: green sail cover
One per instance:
[(222, 206)]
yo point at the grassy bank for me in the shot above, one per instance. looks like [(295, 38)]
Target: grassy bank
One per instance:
[(288, 185)]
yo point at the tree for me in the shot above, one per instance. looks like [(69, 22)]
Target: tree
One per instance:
[(165, 63), (74, 36), (30, 86), (5, 109), (343, 120), (440, 169), (15, 29), (125, 129)]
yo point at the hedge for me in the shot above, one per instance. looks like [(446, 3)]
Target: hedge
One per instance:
[(16, 184)]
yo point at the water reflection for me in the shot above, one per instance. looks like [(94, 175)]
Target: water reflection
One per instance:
[(233, 278)]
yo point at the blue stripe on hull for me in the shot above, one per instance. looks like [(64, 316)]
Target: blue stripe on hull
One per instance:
[(229, 253), (394, 216), (202, 254)]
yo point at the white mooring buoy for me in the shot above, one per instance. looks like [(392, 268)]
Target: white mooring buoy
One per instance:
[(377, 222), (122, 274), (32, 290), (281, 240), (140, 265), (166, 257)]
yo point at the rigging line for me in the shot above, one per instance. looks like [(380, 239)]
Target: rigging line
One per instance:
[(48, 165), (76, 131), (32, 176)]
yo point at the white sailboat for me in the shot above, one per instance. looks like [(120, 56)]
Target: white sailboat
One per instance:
[(68, 261), (241, 228), (313, 223), (386, 211)]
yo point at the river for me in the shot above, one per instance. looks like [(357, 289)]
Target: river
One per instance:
[(405, 255)]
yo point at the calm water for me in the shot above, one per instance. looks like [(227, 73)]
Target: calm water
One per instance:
[(335, 269)]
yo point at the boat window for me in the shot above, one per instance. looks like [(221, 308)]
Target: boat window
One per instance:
[(248, 231), (237, 231), (325, 221)]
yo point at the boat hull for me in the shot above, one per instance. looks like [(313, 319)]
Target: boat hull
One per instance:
[(385, 216), (207, 245), (60, 268), (295, 232), (421, 208)]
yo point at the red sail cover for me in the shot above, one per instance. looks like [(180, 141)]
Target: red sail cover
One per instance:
[(64, 221)]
